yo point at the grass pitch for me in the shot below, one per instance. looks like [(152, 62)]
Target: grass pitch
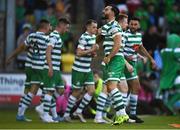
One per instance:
[(7, 121)]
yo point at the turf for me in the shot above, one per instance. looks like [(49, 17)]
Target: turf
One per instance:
[(7, 121)]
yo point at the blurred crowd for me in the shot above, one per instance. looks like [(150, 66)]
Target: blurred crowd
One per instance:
[(160, 26)]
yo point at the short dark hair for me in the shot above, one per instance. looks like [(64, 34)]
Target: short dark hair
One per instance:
[(90, 21), (63, 20), (114, 9), (122, 16), (43, 23), (135, 18)]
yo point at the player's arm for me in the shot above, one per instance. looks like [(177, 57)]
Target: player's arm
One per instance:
[(128, 66), (82, 52), (22, 47), (143, 58), (99, 37), (81, 48), (115, 49), (49, 60), (143, 51)]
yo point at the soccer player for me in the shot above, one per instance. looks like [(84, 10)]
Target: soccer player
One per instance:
[(35, 44), (81, 71), (133, 46), (103, 100), (114, 61), (52, 76)]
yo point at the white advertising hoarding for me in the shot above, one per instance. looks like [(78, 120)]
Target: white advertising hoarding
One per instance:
[(13, 84)]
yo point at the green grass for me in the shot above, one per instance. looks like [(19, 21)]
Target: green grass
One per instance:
[(7, 121)]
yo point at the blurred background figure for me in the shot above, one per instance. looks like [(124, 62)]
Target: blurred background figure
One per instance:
[(27, 28)]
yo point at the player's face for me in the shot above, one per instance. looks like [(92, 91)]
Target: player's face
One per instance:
[(107, 11), (93, 28), (134, 25), (66, 28), (124, 24), (96, 77), (48, 28)]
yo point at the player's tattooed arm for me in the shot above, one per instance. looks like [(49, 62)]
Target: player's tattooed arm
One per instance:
[(143, 51), (21, 48)]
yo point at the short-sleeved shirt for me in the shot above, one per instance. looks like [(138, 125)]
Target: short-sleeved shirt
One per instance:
[(37, 44), (83, 63), (109, 31), (133, 41), (56, 43)]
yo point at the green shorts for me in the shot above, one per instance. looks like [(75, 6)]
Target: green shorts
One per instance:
[(28, 71), (123, 77), (54, 82), (114, 69), (33, 76), (80, 79), (133, 75)]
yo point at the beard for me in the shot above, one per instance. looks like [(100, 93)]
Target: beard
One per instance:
[(104, 17), (133, 30)]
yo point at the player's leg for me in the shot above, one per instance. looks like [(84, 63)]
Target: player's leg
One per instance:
[(114, 70), (89, 83), (59, 91), (77, 83), (134, 86), (101, 102), (123, 88)]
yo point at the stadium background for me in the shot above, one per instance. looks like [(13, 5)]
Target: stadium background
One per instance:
[(159, 20)]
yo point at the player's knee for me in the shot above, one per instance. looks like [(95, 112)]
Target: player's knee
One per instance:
[(91, 90)]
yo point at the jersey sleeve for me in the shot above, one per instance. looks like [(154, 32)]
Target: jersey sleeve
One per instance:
[(82, 43), (103, 31), (114, 31), (52, 41), (177, 54), (27, 41)]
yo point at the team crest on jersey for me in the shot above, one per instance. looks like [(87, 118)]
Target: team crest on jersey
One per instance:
[(111, 74), (78, 83)]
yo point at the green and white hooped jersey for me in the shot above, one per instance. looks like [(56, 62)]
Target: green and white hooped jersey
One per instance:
[(134, 40), (56, 43), (37, 44), (83, 63), (109, 31)]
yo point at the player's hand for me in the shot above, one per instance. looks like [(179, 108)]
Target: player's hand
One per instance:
[(99, 31), (153, 64), (129, 68), (8, 61), (95, 47), (50, 72), (107, 59), (144, 59), (93, 54)]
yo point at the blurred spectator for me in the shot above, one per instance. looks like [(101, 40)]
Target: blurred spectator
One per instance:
[(143, 15), (98, 84), (147, 103), (20, 10), (97, 9), (153, 18), (170, 65), (61, 102), (51, 17), (173, 19), (22, 57), (40, 7), (68, 46), (28, 18), (132, 6), (152, 39)]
